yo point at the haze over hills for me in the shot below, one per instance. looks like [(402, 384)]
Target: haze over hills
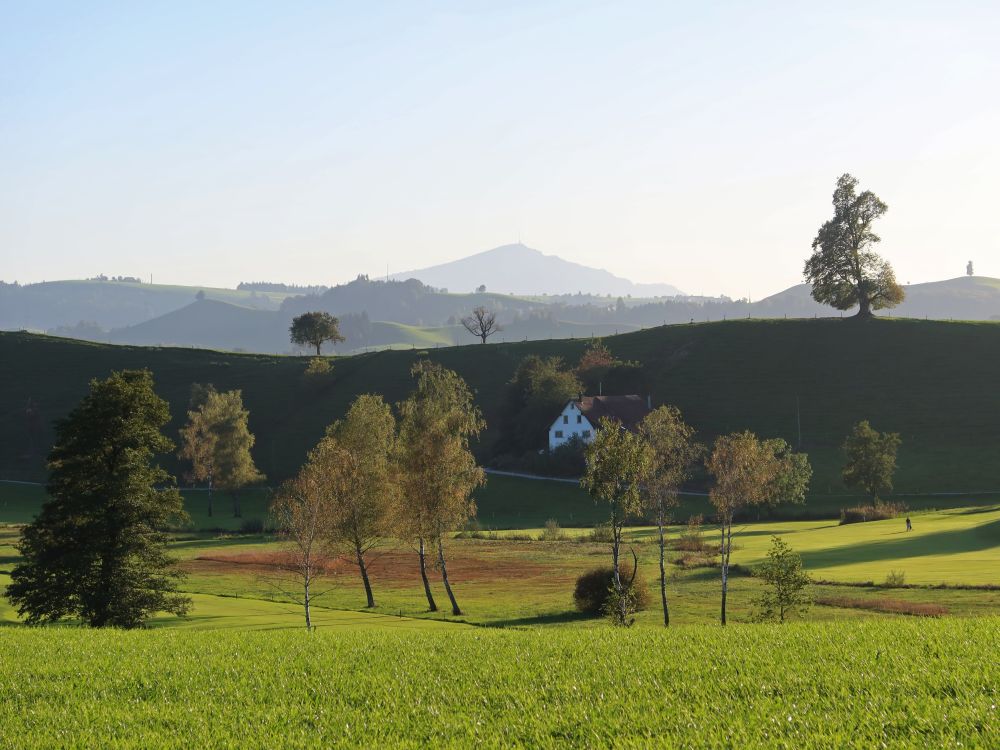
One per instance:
[(518, 269), (378, 313)]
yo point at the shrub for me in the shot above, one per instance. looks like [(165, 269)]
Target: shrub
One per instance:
[(592, 592), (252, 526), (877, 512), (895, 579), (552, 532), (319, 367), (691, 539), (602, 533)]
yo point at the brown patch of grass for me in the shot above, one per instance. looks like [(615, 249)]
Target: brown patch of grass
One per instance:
[(396, 566), (884, 604)]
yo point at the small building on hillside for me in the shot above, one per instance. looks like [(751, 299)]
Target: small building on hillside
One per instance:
[(579, 418)]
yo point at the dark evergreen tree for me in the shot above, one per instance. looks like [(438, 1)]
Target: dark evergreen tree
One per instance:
[(97, 549)]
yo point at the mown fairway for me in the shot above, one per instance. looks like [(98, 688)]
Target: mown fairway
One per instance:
[(850, 684), (934, 382)]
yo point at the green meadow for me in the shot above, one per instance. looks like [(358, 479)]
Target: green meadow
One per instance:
[(809, 685)]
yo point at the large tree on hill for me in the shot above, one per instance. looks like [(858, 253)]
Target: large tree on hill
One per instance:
[(618, 463), (871, 459), (97, 549), (217, 441), (315, 329), (437, 470), (748, 472), (844, 269), (355, 463), (673, 454)]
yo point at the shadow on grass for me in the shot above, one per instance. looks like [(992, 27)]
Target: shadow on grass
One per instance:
[(890, 547), (554, 618)]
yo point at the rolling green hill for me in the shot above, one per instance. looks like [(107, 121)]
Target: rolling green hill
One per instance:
[(934, 382)]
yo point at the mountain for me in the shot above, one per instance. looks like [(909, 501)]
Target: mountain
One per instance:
[(518, 269)]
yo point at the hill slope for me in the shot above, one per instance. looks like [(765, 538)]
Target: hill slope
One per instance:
[(518, 269), (933, 382)]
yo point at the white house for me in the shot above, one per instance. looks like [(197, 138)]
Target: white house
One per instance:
[(579, 418)]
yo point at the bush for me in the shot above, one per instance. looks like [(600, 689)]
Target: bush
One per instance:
[(593, 588), (877, 512), (252, 526), (319, 367), (895, 579), (602, 533), (691, 539), (552, 532)]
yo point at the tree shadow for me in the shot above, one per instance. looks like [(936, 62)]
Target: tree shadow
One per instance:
[(900, 544), (554, 618)]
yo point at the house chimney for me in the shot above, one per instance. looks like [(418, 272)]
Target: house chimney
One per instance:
[(649, 401)]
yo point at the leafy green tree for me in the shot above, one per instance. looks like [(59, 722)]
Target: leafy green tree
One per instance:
[(217, 441), (97, 549), (844, 269), (315, 329), (354, 461), (436, 468), (792, 481), (673, 454), (871, 459), (748, 472), (786, 582), (618, 462), (540, 388)]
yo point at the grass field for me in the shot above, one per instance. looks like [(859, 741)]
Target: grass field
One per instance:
[(511, 579), (934, 382), (845, 685)]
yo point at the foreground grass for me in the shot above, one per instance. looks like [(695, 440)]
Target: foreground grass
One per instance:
[(868, 684)]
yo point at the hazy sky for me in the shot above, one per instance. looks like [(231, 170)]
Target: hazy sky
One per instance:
[(692, 143)]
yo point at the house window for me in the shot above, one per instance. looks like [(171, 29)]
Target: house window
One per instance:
[(586, 433), (565, 419), (579, 418), (558, 433)]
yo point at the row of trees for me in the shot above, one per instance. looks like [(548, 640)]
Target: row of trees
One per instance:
[(375, 475), (643, 471)]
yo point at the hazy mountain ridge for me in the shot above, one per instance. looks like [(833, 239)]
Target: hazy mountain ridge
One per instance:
[(519, 269)]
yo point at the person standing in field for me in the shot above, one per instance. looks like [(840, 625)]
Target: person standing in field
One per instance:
[(909, 526)]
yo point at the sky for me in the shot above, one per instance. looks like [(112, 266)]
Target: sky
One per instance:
[(696, 144)]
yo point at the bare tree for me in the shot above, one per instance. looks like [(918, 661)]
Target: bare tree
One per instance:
[(300, 510), (481, 323)]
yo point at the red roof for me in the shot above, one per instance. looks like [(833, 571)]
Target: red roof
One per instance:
[(629, 410)]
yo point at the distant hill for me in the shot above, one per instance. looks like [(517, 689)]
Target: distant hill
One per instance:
[(962, 298), (108, 304), (518, 269), (804, 380)]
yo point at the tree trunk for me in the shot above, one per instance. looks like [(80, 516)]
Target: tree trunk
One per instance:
[(318, 348), (864, 307), (616, 541), (422, 553), (727, 543), (444, 577), (364, 575), (306, 602), (663, 574)]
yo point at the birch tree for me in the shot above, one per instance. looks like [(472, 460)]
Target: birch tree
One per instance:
[(356, 460), (618, 462), (673, 452), (437, 471), (748, 472)]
